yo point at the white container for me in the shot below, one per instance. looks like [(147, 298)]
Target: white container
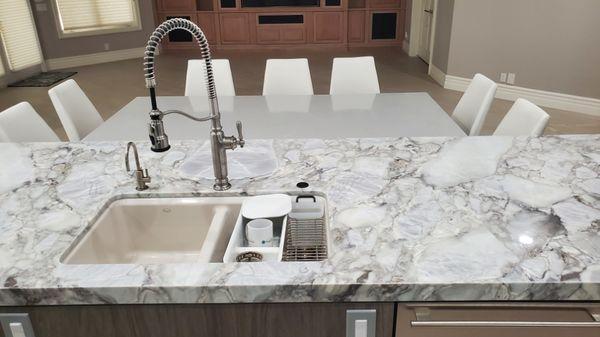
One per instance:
[(237, 244)]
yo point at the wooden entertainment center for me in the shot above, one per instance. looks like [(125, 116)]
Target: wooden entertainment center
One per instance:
[(234, 24)]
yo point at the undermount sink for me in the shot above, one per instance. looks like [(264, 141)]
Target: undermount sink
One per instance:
[(158, 230)]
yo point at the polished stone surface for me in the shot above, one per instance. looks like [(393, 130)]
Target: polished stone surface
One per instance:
[(284, 117), (410, 219)]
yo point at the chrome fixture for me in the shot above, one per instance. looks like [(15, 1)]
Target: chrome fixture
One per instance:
[(219, 142), (141, 176)]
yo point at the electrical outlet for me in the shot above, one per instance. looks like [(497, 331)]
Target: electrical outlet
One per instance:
[(511, 78), (107, 46), (503, 78)]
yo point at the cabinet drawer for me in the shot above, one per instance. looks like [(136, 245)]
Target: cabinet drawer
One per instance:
[(479, 320)]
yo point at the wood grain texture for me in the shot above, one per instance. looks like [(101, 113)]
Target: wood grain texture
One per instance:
[(176, 5), (227, 320), (329, 27), (234, 28), (356, 26), (208, 24)]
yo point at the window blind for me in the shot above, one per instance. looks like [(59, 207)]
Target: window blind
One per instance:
[(89, 15), (19, 36)]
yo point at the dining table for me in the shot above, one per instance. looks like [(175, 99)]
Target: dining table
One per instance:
[(288, 117)]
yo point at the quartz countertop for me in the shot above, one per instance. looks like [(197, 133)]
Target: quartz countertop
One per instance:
[(410, 219)]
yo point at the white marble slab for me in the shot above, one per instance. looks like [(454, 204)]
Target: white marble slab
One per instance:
[(410, 219)]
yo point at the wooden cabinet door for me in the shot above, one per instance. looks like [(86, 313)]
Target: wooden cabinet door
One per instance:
[(356, 26), (177, 5), (329, 27), (207, 22), (234, 28)]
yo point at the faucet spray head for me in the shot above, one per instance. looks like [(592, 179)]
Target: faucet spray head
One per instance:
[(156, 130)]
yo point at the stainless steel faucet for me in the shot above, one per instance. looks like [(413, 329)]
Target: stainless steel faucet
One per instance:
[(141, 176), (219, 142)]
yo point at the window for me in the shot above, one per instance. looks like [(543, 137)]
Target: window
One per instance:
[(93, 17), (18, 34)]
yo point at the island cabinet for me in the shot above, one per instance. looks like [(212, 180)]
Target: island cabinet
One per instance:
[(201, 320)]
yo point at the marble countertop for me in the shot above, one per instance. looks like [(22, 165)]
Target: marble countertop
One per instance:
[(410, 219)]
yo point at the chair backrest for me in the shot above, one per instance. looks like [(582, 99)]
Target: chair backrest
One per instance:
[(287, 77), (21, 123), (354, 75), (523, 119), (195, 80), (77, 114), (475, 104)]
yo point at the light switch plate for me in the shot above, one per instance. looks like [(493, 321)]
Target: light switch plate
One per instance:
[(368, 315), (23, 319)]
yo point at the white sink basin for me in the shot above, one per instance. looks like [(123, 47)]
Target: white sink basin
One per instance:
[(155, 231)]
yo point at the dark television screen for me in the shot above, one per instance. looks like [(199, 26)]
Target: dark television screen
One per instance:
[(274, 3)]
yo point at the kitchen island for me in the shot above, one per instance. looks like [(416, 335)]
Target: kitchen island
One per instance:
[(410, 220)]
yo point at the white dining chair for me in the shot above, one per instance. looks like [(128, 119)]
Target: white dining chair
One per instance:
[(354, 75), (21, 123), (195, 80), (523, 119), (77, 114), (287, 77), (473, 107)]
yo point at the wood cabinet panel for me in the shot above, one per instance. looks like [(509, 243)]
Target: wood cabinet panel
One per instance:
[(329, 27), (208, 24), (234, 28), (385, 3), (215, 320), (177, 5), (280, 34), (502, 312), (356, 26)]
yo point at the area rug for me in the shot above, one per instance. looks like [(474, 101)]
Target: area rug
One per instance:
[(44, 79)]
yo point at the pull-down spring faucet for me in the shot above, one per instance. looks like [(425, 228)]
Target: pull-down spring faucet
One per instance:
[(219, 142)]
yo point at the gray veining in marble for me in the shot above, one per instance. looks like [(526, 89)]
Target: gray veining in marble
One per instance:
[(411, 219)]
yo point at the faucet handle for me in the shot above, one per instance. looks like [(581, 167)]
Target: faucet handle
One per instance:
[(241, 140)]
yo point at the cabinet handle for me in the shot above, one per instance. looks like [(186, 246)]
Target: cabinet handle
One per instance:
[(502, 324), (423, 322)]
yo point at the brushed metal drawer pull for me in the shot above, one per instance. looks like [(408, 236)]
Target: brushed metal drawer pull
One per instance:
[(502, 324), (423, 315)]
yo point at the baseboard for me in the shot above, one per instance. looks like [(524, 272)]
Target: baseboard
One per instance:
[(97, 58), (585, 105), (438, 75)]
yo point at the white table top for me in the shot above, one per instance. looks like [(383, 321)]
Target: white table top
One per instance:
[(279, 117)]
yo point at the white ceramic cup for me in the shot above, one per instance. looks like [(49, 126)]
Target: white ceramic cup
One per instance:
[(259, 233)]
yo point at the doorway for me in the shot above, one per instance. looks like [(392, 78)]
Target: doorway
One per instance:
[(422, 29), (426, 31)]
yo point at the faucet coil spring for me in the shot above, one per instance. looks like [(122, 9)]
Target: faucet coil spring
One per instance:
[(160, 32)]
